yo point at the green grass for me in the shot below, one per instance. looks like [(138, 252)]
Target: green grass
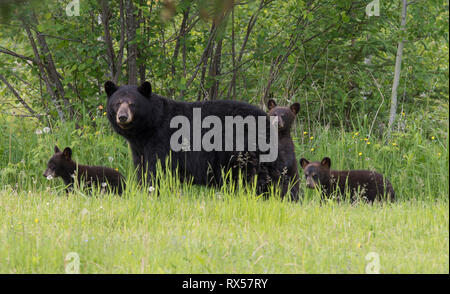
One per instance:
[(204, 234), (192, 229)]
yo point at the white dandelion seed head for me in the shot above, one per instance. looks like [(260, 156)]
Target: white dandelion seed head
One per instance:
[(151, 189), (104, 185), (110, 159), (46, 130), (38, 132)]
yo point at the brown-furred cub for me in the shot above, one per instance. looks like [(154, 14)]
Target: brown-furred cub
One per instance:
[(368, 184), (287, 163), (62, 165)]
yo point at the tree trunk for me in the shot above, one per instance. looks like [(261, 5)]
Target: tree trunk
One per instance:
[(397, 70), (131, 43)]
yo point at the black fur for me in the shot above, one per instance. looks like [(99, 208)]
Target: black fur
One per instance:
[(148, 132), (371, 185), (62, 165), (287, 162)]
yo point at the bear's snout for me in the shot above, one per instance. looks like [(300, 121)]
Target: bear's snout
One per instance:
[(124, 115), (49, 173)]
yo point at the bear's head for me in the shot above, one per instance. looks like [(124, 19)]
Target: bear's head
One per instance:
[(316, 173), (128, 105), (60, 164), (286, 115)]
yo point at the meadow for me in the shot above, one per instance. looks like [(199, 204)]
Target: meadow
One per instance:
[(193, 229)]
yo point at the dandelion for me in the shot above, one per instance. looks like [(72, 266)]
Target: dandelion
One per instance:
[(312, 149), (358, 245), (36, 220), (93, 118), (368, 143), (394, 144), (403, 114), (151, 189), (49, 177), (104, 113), (439, 154), (356, 134), (360, 153), (366, 139), (110, 159), (432, 138), (38, 132), (46, 130), (104, 185), (116, 169), (311, 137), (305, 133)]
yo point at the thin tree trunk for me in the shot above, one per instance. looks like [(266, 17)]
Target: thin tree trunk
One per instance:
[(43, 73), (177, 46), (49, 64), (397, 70), (25, 104), (131, 44)]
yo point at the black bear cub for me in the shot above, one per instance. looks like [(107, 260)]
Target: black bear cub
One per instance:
[(287, 163), (62, 165), (369, 184)]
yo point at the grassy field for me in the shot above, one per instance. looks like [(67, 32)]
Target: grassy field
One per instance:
[(191, 229), (200, 234)]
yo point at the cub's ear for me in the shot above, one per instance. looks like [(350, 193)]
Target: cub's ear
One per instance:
[(145, 89), (110, 88), (57, 149), (303, 162), (271, 104), (67, 153), (326, 162), (295, 107)]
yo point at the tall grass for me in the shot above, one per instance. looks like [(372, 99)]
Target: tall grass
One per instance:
[(415, 159), (194, 229)]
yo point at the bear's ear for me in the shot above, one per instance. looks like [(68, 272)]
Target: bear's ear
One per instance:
[(110, 88), (145, 89), (303, 162), (326, 162), (295, 107), (57, 149), (271, 104), (67, 153)]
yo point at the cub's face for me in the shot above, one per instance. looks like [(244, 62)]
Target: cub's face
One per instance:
[(58, 163), (316, 173), (126, 103), (286, 115)]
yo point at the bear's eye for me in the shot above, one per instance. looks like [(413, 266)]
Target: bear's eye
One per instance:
[(315, 177)]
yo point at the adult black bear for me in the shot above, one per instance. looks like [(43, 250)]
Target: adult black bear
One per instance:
[(62, 165), (368, 184), (145, 120), (287, 162)]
